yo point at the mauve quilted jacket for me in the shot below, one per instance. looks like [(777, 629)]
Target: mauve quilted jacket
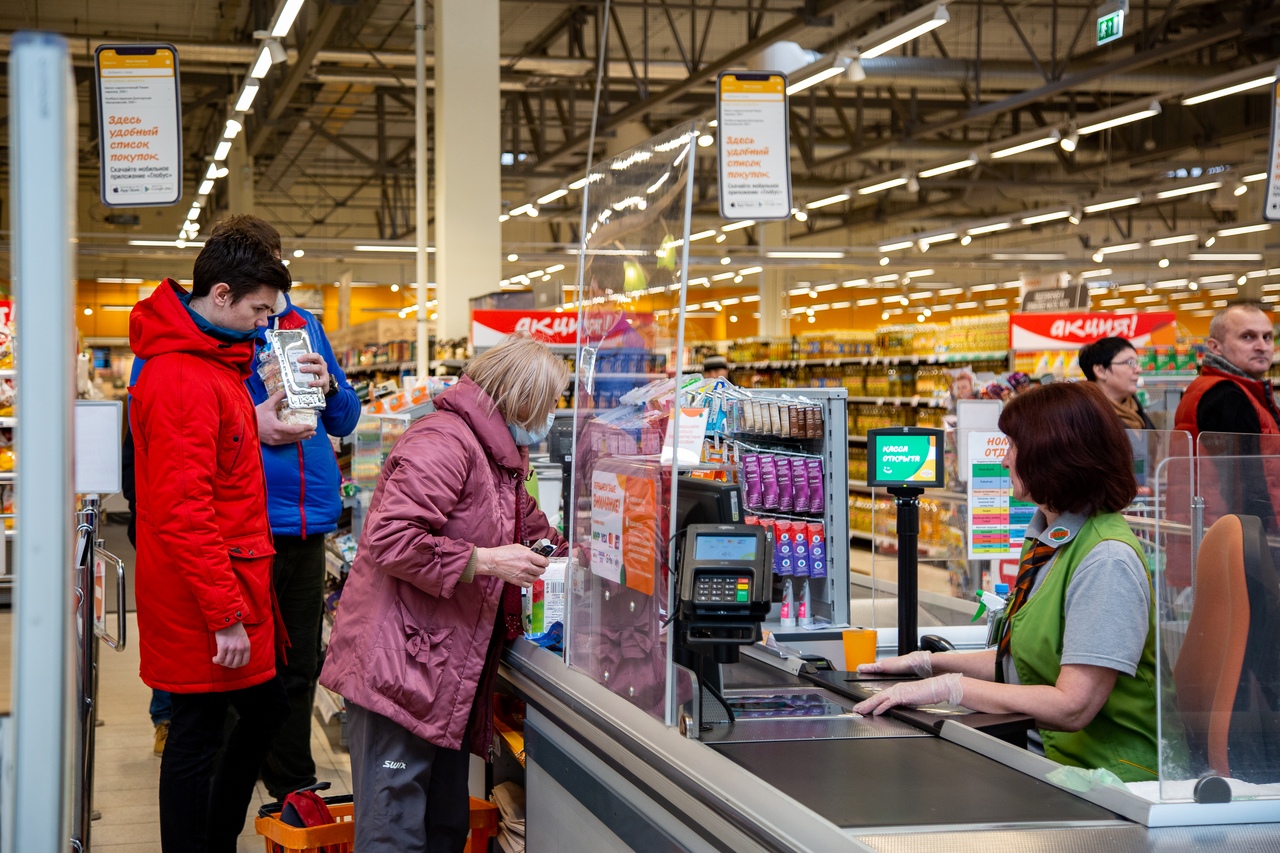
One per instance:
[(410, 640)]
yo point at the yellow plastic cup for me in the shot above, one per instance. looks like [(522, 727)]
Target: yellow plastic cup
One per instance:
[(859, 647)]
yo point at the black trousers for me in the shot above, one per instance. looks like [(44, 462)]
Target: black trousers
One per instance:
[(298, 575), (410, 795), (204, 796)]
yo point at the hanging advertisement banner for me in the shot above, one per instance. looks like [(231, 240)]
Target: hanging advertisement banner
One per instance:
[(997, 523), (1048, 331), (620, 329), (754, 145), (1271, 197), (1052, 292), (139, 124)]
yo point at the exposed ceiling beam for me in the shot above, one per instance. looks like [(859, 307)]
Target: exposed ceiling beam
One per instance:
[(733, 58)]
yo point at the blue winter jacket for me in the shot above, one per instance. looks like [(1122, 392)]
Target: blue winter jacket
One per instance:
[(303, 481)]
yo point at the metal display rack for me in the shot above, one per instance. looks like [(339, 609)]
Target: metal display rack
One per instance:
[(830, 596)]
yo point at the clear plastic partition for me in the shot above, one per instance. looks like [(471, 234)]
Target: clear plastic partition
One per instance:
[(1151, 449), (1218, 607), (630, 316)]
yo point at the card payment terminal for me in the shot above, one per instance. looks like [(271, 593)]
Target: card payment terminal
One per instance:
[(726, 579)]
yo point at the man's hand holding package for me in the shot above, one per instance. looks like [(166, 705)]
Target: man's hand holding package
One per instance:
[(271, 430)]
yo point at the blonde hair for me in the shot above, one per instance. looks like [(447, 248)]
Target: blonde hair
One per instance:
[(522, 376)]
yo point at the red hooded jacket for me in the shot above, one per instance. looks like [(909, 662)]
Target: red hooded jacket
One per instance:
[(204, 542)]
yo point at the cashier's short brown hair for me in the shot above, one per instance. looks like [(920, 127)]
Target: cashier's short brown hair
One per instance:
[(1072, 451)]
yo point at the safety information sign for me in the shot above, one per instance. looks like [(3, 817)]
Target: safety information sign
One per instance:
[(755, 155), (139, 125), (997, 523)]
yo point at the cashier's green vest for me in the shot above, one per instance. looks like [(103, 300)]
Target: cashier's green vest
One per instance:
[(1122, 737)]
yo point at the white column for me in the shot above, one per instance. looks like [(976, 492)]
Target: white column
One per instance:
[(467, 150), (772, 284), (344, 300)]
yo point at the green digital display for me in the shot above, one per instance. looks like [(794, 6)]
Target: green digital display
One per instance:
[(905, 457)]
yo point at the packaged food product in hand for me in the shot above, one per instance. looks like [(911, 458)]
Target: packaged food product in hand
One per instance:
[(279, 369)]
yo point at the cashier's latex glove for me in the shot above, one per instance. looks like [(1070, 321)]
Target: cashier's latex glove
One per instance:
[(313, 363), (945, 688), (917, 663), (271, 430)]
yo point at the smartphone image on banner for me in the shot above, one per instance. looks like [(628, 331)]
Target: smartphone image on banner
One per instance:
[(140, 124), (755, 145)]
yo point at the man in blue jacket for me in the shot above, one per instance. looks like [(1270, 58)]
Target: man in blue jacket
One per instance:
[(303, 503)]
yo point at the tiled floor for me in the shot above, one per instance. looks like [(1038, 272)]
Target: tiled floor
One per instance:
[(127, 774)]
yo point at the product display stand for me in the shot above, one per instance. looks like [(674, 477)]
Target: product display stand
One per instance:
[(907, 499)]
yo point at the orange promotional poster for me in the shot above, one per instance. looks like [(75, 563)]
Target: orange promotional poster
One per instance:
[(755, 155), (140, 125)]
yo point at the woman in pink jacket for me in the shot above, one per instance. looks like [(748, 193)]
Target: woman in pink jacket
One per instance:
[(433, 593)]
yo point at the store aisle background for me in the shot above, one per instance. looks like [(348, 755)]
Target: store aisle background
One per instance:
[(127, 773)]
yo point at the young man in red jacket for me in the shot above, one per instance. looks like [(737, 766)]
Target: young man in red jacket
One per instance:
[(206, 613)]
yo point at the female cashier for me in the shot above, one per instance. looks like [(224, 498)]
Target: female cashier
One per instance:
[(1076, 650)]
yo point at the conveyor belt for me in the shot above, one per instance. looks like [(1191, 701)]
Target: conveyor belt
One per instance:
[(906, 782)]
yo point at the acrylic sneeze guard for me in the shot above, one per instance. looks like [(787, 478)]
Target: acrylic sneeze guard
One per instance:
[(634, 255)]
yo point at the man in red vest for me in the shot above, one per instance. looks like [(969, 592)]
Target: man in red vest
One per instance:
[(1233, 395)]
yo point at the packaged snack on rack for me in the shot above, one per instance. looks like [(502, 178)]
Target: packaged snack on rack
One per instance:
[(817, 550), (769, 481), (6, 347), (813, 470), (800, 484), (278, 367), (786, 490)]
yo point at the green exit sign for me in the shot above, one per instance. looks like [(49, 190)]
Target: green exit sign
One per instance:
[(1110, 26)]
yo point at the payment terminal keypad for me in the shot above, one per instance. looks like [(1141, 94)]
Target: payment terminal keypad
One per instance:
[(722, 589)]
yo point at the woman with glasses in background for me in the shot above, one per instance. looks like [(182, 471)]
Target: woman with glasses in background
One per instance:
[(1112, 365)]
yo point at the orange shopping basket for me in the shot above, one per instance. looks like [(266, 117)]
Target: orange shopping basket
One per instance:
[(339, 837)]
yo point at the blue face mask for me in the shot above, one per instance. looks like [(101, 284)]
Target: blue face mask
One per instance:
[(525, 438)]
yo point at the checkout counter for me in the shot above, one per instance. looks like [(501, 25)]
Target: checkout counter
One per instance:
[(786, 766), (628, 741)]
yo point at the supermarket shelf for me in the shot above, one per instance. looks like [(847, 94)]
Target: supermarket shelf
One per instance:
[(1155, 377), (888, 545), (942, 358), (8, 423), (333, 563), (8, 374), (512, 738), (859, 440), (925, 402), (600, 376), (386, 367)]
